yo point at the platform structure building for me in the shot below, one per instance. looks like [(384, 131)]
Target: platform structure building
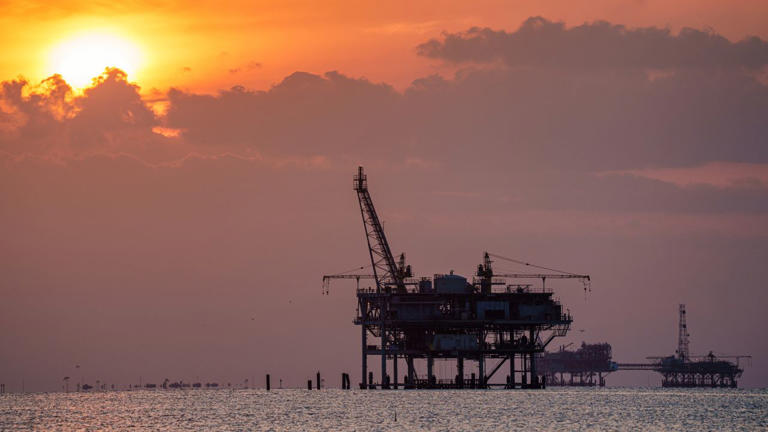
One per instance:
[(586, 366), (483, 324)]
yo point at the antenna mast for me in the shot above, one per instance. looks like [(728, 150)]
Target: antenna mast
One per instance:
[(682, 337)]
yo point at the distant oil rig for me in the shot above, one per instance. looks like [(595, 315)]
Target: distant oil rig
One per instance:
[(588, 365), (449, 317), (584, 367), (685, 370)]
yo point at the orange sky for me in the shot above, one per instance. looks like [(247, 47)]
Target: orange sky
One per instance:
[(169, 243), (203, 48)]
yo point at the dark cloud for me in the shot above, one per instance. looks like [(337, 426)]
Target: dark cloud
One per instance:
[(28, 122), (111, 113), (540, 42), (109, 117), (498, 117), (581, 120), (553, 129), (305, 114)]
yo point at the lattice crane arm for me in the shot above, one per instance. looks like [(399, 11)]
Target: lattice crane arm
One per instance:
[(385, 269)]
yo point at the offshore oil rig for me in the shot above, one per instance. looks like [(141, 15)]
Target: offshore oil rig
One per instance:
[(588, 365), (685, 370), (584, 367), (448, 317)]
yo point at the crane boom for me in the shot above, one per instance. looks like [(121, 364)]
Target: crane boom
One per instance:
[(385, 269), (541, 276), (486, 274), (545, 276), (358, 277)]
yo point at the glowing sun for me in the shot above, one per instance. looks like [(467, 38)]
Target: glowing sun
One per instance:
[(85, 56)]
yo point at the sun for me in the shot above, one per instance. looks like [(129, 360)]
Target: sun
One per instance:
[(85, 56)]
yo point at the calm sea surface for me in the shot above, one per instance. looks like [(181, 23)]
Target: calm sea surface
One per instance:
[(338, 410)]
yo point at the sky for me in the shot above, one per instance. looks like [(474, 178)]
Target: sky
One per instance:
[(175, 178)]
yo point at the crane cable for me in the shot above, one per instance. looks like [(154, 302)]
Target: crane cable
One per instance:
[(352, 269), (531, 265), (586, 283)]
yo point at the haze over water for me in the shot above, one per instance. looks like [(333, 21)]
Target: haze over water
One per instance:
[(338, 410)]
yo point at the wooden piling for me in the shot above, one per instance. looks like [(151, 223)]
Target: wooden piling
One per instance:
[(268, 386)]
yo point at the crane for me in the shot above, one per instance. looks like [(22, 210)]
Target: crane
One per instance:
[(357, 278), (485, 274), (386, 271)]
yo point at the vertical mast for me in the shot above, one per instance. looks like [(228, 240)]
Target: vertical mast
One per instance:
[(682, 336), (385, 269)]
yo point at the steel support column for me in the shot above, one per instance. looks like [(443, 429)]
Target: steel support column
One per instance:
[(411, 372), (365, 358), (430, 367), (394, 371), (511, 371), (534, 378), (383, 358)]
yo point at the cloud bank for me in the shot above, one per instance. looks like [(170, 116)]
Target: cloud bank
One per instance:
[(565, 132), (540, 42)]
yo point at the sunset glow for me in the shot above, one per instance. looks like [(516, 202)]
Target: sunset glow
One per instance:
[(81, 58)]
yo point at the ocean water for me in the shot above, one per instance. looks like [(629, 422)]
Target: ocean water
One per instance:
[(413, 410)]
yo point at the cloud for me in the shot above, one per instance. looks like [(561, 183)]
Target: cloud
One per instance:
[(540, 42), (553, 130), (305, 114), (111, 112), (109, 117), (573, 120), (27, 121), (717, 174)]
